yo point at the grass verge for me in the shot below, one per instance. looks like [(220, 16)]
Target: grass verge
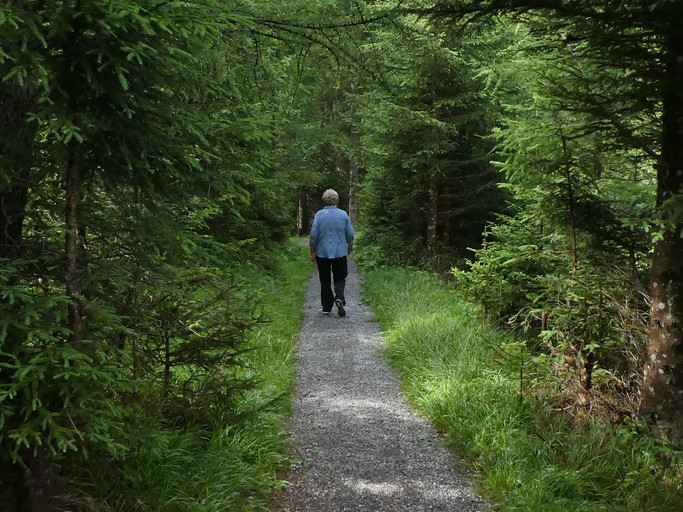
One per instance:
[(528, 456), (232, 463)]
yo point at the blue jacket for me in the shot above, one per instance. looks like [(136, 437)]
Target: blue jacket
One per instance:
[(331, 233)]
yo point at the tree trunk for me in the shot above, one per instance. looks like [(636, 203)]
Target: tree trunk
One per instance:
[(354, 175), (353, 193), (73, 225), (572, 204), (33, 483), (167, 367), (432, 213), (303, 214), (662, 397), (433, 206), (447, 228)]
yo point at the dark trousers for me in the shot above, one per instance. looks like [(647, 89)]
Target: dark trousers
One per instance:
[(340, 270)]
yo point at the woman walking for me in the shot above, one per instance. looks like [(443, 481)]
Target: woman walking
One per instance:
[(331, 241)]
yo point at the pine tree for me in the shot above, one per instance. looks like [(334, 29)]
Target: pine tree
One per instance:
[(118, 145), (643, 40)]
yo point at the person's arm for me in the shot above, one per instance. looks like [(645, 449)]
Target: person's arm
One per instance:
[(350, 234), (313, 241)]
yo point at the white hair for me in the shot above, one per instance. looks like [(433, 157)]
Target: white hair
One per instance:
[(330, 197)]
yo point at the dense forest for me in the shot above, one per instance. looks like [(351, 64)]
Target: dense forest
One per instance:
[(157, 156)]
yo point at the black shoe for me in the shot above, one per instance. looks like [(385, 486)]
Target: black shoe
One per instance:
[(340, 307)]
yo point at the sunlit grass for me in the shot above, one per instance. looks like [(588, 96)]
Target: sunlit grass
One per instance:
[(527, 456)]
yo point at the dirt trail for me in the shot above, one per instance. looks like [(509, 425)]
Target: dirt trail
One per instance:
[(361, 446)]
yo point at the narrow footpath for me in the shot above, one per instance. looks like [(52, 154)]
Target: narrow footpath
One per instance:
[(362, 448)]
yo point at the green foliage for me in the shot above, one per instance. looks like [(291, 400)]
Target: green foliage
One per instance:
[(428, 181), (52, 397), (151, 110), (376, 248), (189, 336), (196, 131), (319, 144), (63, 397), (567, 265), (465, 376), (232, 455)]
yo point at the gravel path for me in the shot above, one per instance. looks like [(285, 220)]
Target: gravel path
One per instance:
[(361, 446)]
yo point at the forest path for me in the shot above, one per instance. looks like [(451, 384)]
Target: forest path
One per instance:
[(360, 444)]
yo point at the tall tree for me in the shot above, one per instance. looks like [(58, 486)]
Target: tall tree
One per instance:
[(663, 385), (643, 40), (424, 138), (113, 111)]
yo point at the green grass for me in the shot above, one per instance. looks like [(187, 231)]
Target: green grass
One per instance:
[(234, 463), (528, 457)]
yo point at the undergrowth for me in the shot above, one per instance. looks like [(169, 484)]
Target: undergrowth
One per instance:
[(232, 461), (529, 456)]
